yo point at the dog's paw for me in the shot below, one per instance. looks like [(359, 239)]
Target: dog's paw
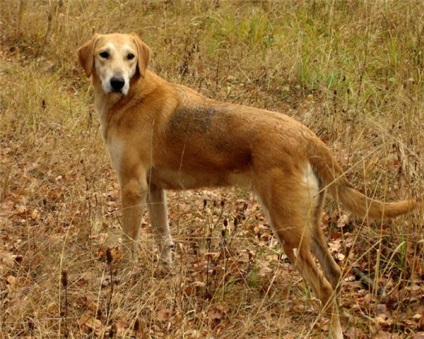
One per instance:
[(166, 254)]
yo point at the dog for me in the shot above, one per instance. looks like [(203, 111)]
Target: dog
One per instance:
[(164, 136)]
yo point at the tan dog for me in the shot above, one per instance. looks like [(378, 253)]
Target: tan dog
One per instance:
[(167, 136)]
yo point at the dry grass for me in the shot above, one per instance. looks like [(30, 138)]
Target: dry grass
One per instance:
[(351, 70)]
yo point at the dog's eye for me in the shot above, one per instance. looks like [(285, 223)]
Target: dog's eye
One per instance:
[(104, 55), (130, 56)]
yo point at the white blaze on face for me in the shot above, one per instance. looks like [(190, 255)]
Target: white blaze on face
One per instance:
[(114, 64)]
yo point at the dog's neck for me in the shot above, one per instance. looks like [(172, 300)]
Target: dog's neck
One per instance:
[(107, 103)]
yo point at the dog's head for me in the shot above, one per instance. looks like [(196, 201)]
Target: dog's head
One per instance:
[(114, 59)]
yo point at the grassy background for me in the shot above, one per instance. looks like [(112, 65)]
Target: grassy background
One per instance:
[(350, 70)]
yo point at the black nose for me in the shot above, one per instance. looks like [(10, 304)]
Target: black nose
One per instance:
[(117, 83)]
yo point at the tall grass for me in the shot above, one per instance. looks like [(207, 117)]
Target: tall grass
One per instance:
[(350, 70)]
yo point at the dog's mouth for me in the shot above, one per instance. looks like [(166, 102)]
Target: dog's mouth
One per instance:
[(117, 91)]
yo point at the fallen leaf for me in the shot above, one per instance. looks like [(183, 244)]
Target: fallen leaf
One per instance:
[(163, 315), (387, 335), (354, 332), (11, 281), (381, 309), (91, 323), (7, 259), (343, 220)]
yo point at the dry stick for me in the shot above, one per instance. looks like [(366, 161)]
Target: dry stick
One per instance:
[(380, 291), (360, 85), (21, 10), (208, 245), (6, 181), (224, 245), (368, 282), (60, 266), (390, 261), (30, 323), (3, 298), (222, 204), (109, 260), (211, 226), (88, 200), (64, 313), (46, 36), (136, 328)]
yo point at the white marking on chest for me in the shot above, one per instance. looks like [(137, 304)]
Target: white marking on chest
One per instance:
[(115, 148)]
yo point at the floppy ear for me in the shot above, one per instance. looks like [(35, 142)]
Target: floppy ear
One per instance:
[(143, 54), (86, 55)]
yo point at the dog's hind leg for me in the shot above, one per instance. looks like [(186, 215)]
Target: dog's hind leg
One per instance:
[(305, 263), (156, 201), (320, 248), (287, 200)]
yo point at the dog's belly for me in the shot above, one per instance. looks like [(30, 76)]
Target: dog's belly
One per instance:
[(181, 180)]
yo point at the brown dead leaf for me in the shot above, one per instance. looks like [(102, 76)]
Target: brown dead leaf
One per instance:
[(190, 334), (264, 269), (413, 288), (52, 308), (417, 316), (381, 310), (35, 214), (212, 255), (421, 323), (335, 245), (354, 332), (158, 332), (8, 259), (343, 220), (214, 315), (121, 328), (164, 315), (6, 208), (90, 323), (387, 335), (21, 210), (11, 281), (217, 314)]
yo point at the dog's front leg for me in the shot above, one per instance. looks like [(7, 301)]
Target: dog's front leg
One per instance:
[(156, 201), (134, 195)]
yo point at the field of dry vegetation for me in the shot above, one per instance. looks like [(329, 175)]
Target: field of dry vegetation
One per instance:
[(353, 71)]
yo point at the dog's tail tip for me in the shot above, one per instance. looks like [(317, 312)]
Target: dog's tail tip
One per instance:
[(362, 205), (401, 207)]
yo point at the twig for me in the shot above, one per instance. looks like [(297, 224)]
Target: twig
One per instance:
[(368, 282), (109, 260), (64, 313)]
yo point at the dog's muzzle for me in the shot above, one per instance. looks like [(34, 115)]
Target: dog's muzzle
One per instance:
[(117, 83)]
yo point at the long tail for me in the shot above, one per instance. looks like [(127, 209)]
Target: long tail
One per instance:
[(331, 174), (361, 205)]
